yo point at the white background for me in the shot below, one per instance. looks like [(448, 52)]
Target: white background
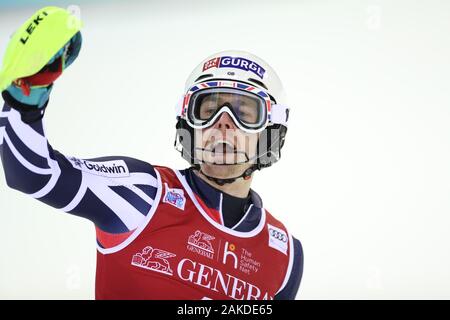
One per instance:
[(364, 180)]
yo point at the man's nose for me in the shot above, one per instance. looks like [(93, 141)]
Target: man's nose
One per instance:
[(225, 122)]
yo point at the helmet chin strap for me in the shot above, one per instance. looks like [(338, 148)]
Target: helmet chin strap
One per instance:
[(222, 181)]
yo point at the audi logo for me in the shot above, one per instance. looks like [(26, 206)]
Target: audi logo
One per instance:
[(278, 235)]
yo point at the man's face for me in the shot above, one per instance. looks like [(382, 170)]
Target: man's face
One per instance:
[(223, 142)]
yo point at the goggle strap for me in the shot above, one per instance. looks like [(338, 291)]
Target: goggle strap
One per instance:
[(179, 106), (279, 114)]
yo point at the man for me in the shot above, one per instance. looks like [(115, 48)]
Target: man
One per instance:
[(197, 233)]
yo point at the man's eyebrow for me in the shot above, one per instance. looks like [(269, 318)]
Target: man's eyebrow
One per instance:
[(247, 102), (207, 98)]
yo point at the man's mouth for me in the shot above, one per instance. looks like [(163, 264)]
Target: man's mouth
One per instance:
[(222, 146)]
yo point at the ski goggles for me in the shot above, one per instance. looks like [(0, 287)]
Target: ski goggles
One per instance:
[(248, 106)]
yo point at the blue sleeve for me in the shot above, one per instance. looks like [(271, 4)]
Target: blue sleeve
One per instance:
[(115, 193), (290, 290)]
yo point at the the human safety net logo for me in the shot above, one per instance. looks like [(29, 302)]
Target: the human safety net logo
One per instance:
[(112, 169), (235, 62)]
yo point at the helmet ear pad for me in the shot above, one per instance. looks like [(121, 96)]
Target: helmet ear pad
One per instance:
[(270, 143), (185, 137)]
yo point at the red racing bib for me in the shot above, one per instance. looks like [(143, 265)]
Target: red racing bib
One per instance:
[(183, 252)]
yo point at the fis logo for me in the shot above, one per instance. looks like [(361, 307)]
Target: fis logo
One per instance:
[(153, 259), (235, 62), (175, 197), (112, 169), (278, 239)]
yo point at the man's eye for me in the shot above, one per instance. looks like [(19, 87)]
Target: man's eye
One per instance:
[(208, 111), (247, 116), (244, 112)]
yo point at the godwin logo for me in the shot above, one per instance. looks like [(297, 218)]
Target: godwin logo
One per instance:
[(113, 169)]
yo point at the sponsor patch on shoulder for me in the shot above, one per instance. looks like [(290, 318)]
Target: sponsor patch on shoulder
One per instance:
[(278, 239), (112, 169), (175, 197)]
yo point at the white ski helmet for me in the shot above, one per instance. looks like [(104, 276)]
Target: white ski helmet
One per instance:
[(238, 66), (249, 74)]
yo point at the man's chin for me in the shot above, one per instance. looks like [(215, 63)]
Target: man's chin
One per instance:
[(223, 171), (221, 159)]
